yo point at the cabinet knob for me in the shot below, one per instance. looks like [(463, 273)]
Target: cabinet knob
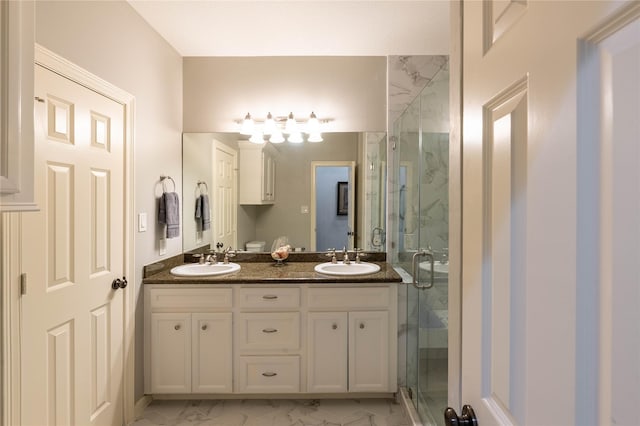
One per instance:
[(204, 327), (361, 325), (334, 326), (176, 327)]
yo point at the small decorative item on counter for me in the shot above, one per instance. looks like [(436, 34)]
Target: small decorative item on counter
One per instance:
[(280, 250)]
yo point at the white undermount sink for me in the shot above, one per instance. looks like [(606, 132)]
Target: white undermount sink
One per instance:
[(204, 270), (340, 268)]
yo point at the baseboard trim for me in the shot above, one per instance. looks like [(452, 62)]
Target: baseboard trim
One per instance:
[(141, 404)]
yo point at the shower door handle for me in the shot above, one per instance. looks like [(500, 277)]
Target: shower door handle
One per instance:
[(468, 417), (429, 255)]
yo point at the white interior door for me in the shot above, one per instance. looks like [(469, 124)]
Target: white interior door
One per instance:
[(324, 198), (72, 250), (225, 160), (523, 352)]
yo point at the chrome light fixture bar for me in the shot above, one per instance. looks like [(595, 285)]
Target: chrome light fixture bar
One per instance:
[(273, 128)]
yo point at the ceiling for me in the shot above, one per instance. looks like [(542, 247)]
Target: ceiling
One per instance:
[(300, 27)]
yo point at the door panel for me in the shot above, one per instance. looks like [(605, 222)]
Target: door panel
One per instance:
[(225, 227), (73, 249), (522, 232)]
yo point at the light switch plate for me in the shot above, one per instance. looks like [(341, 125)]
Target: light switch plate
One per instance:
[(142, 222)]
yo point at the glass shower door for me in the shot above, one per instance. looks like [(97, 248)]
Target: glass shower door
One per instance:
[(423, 226)]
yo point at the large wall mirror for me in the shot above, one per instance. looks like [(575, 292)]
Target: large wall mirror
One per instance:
[(304, 202)]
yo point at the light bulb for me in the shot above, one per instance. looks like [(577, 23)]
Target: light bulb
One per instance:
[(257, 137), (295, 137), (276, 136), (247, 125), (269, 125), (291, 126), (313, 125)]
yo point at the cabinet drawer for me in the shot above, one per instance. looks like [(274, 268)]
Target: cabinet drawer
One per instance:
[(269, 331), (268, 374), (269, 298), (202, 298), (349, 298)]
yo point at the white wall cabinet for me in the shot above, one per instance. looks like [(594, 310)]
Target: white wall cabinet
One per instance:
[(257, 173), (16, 106), (286, 338)]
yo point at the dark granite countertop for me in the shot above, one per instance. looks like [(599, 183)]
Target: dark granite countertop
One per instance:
[(265, 272)]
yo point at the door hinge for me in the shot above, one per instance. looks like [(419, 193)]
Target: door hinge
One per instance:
[(23, 283)]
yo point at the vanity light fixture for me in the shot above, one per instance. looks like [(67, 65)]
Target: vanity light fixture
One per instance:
[(273, 128)]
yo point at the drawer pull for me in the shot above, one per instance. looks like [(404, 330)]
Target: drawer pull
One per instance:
[(269, 297), (176, 327), (269, 374), (269, 330), (204, 327), (334, 326), (361, 325)]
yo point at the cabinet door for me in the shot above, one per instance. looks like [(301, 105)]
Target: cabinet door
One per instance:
[(327, 352), (171, 353), (268, 177), (211, 354), (369, 351)]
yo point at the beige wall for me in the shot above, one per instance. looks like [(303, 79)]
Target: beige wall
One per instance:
[(351, 90), (113, 42)]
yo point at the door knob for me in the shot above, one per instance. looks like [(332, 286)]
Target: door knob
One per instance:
[(468, 417), (119, 283)]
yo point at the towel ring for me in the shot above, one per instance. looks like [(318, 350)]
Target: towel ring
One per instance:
[(163, 178), (206, 187)]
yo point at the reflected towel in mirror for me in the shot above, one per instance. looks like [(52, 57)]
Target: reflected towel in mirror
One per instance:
[(203, 213)]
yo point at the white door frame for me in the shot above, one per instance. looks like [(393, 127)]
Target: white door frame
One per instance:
[(11, 260)]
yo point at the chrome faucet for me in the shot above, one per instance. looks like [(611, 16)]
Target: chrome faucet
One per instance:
[(345, 258), (228, 252), (359, 254), (332, 254), (212, 257)]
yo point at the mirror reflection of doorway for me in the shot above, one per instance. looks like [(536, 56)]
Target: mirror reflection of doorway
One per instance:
[(332, 204)]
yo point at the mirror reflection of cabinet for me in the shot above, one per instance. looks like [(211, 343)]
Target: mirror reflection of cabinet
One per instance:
[(16, 106), (257, 173)]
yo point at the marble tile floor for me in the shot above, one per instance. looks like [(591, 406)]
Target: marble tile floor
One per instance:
[(274, 412)]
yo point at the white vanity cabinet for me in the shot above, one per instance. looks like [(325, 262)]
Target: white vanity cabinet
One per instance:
[(257, 173), (189, 346), (257, 339)]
